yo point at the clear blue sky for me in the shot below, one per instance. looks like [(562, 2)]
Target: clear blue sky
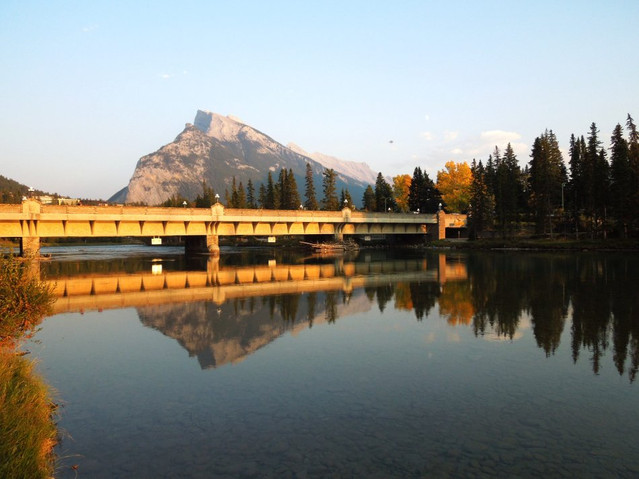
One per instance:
[(89, 87)]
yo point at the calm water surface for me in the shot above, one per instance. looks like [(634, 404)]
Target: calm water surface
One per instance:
[(421, 365)]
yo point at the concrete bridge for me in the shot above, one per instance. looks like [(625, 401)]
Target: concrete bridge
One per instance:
[(202, 227), (219, 284)]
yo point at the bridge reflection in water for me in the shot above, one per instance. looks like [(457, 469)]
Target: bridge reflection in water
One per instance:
[(223, 314), (218, 284)]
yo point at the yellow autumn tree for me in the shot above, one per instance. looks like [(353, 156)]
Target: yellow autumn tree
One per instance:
[(401, 186), (454, 185)]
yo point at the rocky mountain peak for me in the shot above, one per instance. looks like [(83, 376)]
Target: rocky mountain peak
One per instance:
[(215, 149)]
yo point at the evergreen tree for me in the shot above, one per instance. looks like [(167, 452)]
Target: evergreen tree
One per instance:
[(309, 190), (546, 176), (330, 201), (508, 183), (293, 194), (577, 184), (422, 193), (282, 188), (270, 200), (207, 198), (368, 200), (235, 200), (416, 185), (241, 196), (262, 196), (621, 181), (345, 199), (250, 195), (384, 199), (482, 202), (633, 159), (597, 180)]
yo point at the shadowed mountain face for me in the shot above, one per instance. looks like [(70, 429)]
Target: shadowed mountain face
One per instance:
[(217, 148)]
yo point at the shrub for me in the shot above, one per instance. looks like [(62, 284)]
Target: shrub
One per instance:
[(24, 298)]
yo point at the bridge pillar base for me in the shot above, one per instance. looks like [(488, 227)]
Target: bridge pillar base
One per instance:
[(30, 246), (202, 244)]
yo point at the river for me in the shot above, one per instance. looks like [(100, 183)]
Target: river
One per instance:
[(269, 363)]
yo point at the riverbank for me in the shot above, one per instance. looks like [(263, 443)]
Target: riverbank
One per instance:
[(541, 244), (28, 431)]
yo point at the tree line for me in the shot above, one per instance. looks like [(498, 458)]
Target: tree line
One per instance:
[(595, 194)]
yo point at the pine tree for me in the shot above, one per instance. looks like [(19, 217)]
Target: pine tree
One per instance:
[(416, 185), (422, 193), (250, 195), (508, 184), (330, 201), (384, 199), (633, 158), (292, 191), (368, 199), (234, 202), (262, 196), (309, 190), (241, 196), (270, 199), (546, 177), (345, 199), (482, 202), (207, 198), (621, 180)]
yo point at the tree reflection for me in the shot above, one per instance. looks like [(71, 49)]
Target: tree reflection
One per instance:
[(599, 290)]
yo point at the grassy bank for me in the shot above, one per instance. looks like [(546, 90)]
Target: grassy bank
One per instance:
[(27, 429), (27, 424)]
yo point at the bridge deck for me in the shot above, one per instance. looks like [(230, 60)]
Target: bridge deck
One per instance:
[(31, 221)]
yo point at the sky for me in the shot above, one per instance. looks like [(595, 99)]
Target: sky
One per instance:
[(89, 87)]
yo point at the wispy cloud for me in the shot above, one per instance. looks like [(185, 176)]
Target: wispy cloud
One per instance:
[(166, 76), (90, 28), (427, 135), (450, 135)]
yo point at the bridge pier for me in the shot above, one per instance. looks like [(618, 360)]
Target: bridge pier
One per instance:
[(202, 244), (441, 225), (30, 246)]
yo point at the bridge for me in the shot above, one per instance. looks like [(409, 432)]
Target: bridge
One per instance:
[(202, 227)]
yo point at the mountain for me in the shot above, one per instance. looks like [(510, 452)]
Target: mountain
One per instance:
[(217, 148), (360, 171)]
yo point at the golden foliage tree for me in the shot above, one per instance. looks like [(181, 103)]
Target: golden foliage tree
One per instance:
[(401, 186), (454, 185)]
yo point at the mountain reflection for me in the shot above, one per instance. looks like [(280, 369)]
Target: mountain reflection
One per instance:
[(221, 313)]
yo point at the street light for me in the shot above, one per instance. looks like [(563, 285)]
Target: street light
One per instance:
[(217, 198), (184, 203)]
